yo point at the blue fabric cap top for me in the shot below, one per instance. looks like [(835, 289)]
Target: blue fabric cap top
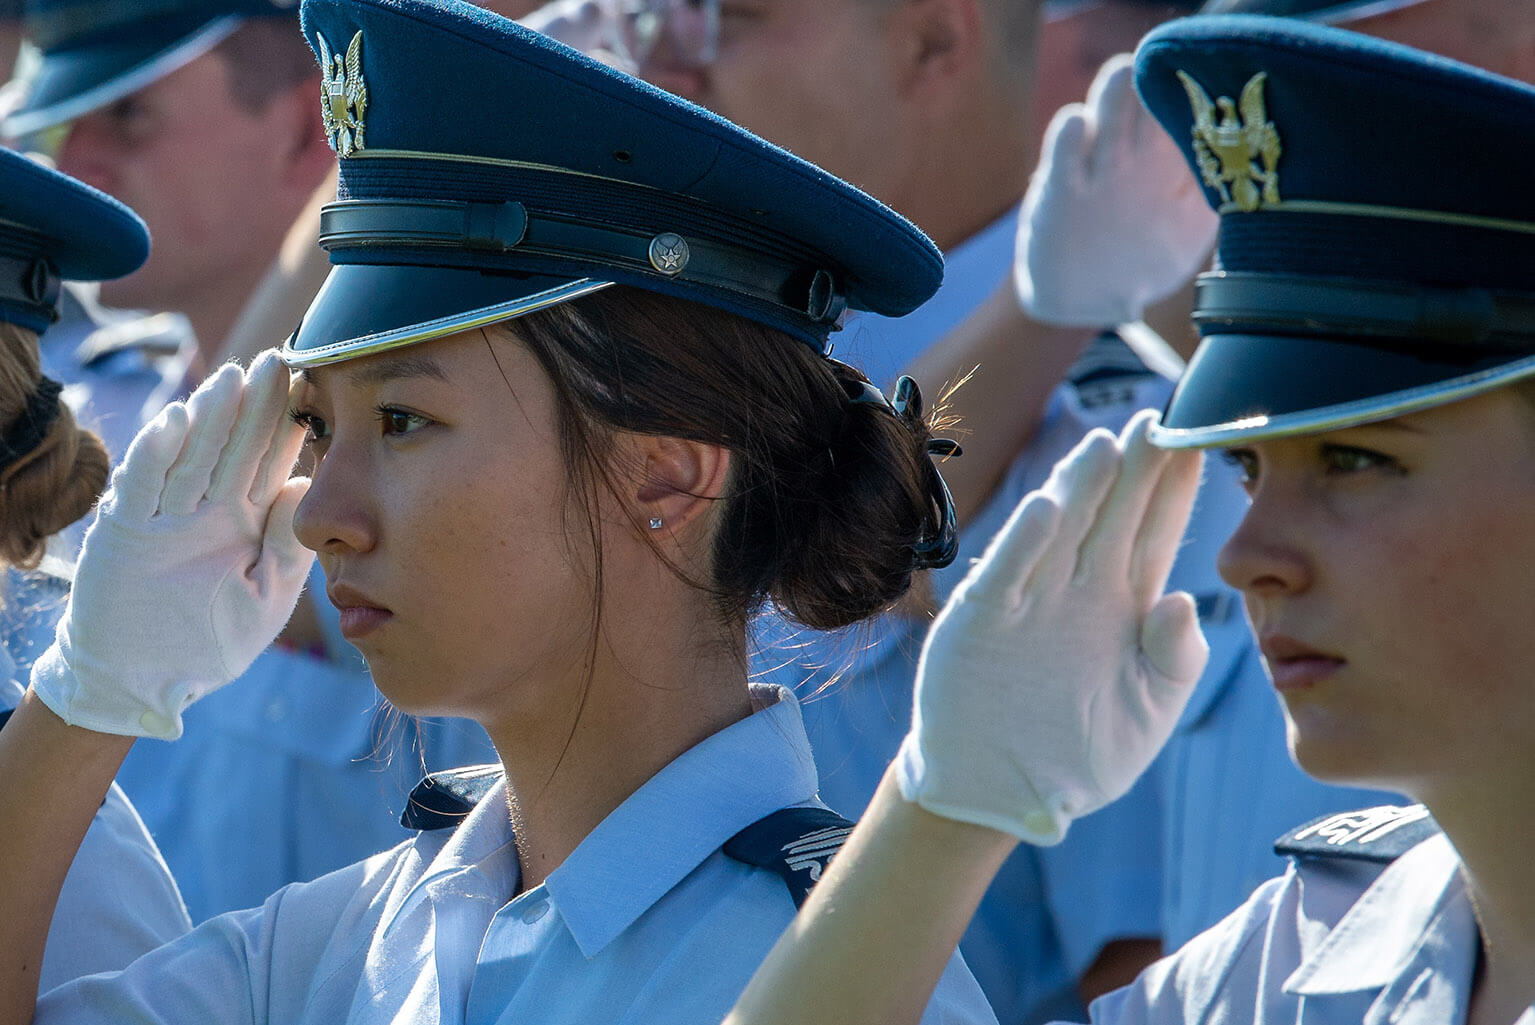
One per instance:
[(52, 226), (1377, 240), (487, 171), (98, 51)]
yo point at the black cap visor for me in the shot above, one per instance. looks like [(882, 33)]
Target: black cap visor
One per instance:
[(363, 309), (70, 83), (1241, 388)]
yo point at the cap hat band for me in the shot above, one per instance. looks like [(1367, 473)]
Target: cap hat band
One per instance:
[(1480, 320), (29, 291), (510, 227)]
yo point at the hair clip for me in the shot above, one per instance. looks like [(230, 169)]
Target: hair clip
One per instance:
[(939, 543)]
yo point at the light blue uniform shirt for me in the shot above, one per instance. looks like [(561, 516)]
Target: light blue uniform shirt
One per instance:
[(647, 921), (118, 901), (296, 769), (1332, 942), (1049, 911)]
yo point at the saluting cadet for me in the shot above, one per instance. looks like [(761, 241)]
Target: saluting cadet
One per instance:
[(203, 115), (571, 415), (118, 899), (1367, 357)]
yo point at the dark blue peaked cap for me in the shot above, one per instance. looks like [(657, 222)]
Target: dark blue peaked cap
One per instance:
[(1377, 240), (52, 226), (487, 172), (97, 51)]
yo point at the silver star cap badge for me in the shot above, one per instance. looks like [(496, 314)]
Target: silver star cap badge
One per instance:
[(669, 253)]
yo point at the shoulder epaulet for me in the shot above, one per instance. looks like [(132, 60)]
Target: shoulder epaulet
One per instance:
[(1374, 834), (161, 334), (1106, 358), (444, 799), (796, 843), (5, 717)]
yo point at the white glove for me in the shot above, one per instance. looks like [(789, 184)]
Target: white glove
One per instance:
[(191, 567), (1058, 668), (1114, 220)]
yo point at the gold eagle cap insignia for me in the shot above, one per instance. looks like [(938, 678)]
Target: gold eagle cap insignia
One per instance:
[(1237, 155), (343, 95)]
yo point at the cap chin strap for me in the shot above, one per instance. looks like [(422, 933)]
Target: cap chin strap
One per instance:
[(29, 288)]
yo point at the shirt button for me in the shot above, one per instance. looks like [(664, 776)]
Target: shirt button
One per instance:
[(533, 912)]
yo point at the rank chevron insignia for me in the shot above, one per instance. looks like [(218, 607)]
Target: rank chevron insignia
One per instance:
[(1229, 152), (343, 95)]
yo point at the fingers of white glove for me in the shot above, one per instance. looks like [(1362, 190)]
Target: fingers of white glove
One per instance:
[(1063, 154), (211, 409), (264, 401), (1109, 544), (1174, 646), (1079, 483), (1114, 110), (290, 560), (139, 480), (1162, 528), (1001, 574)]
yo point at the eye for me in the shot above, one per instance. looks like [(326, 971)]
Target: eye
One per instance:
[(1245, 461), (397, 421), (315, 427), (1346, 459)]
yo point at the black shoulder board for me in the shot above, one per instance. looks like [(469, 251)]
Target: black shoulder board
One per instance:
[(443, 799), (1106, 357), (5, 717), (797, 843), (1375, 834)]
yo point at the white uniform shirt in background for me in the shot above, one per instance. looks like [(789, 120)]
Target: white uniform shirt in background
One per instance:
[(646, 922), (118, 901)]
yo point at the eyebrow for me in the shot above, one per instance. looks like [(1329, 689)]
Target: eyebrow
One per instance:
[(390, 368)]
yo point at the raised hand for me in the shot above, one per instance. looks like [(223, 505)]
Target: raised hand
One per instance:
[(191, 567), (1114, 220), (1058, 668)]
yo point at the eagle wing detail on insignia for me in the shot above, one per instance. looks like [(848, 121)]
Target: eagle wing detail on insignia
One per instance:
[(1204, 125)]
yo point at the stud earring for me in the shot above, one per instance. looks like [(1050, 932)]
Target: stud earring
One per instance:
[(655, 523)]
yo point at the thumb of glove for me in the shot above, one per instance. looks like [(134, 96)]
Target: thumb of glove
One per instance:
[(1174, 646)]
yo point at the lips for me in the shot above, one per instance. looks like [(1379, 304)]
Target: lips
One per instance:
[(1295, 666), (360, 615)]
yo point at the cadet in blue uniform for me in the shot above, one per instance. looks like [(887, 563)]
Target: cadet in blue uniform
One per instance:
[(1367, 359), (572, 419), (118, 899)]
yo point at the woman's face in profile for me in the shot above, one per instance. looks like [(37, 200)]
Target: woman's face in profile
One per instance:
[(1389, 574), (439, 512)]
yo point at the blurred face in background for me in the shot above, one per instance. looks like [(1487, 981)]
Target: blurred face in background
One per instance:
[(817, 77)]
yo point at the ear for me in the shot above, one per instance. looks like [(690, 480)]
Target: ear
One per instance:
[(301, 128), (679, 481), (942, 47)]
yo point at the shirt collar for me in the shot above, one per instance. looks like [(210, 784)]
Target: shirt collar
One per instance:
[(482, 843), (682, 815), (1417, 908)]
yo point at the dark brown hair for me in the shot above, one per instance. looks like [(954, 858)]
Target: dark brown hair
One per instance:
[(57, 482), (826, 497)]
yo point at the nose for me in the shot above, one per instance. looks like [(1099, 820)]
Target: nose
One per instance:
[(84, 152), (336, 517), (1263, 557)]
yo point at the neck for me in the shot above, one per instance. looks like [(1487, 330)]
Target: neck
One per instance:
[(1491, 830), (653, 693)]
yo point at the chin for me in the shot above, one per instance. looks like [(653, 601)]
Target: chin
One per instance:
[(1340, 752)]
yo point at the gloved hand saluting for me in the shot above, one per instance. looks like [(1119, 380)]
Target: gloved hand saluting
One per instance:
[(191, 567), (1114, 220), (1058, 668)]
